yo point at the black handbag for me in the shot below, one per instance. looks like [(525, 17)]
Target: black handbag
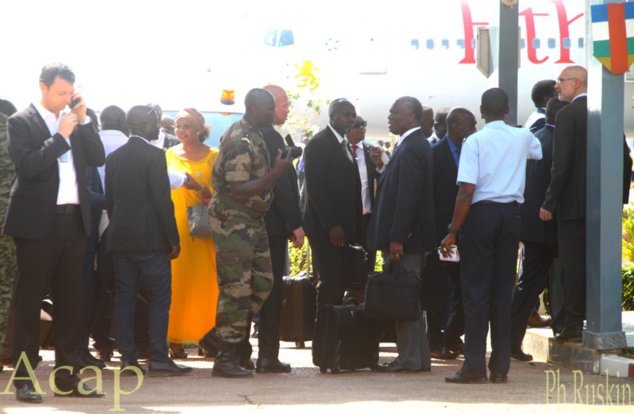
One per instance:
[(198, 219), (392, 295), (356, 265)]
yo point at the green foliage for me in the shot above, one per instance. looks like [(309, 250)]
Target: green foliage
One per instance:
[(628, 289), (627, 247), (303, 109), (298, 259)]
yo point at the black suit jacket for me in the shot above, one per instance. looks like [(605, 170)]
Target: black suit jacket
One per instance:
[(138, 199), (445, 186), (332, 188), (537, 181), (284, 215), (567, 190), (404, 209), (31, 210)]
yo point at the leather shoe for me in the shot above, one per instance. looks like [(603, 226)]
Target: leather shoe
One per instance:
[(26, 393), (105, 356), (209, 345), (393, 367), (520, 355), (570, 334), (461, 377), (266, 365), (87, 360), (457, 349), (178, 353), (499, 378), (247, 364), (167, 369), (129, 372), (538, 321), (443, 353), (75, 392)]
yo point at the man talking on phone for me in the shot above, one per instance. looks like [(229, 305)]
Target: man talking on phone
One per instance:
[(49, 218)]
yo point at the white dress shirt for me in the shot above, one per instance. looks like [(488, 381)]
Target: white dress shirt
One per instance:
[(363, 173), (67, 192), (494, 159)]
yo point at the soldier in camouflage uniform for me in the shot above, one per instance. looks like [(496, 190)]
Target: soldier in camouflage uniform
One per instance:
[(8, 266), (243, 182)]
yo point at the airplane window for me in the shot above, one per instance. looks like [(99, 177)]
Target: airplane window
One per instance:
[(581, 42), (566, 43), (430, 43), (286, 39), (523, 43), (269, 37), (445, 43), (551, 43), (473, 43), (414, 44), (460, 43), (536, 43)]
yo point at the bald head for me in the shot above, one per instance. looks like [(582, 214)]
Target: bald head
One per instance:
[(281, 103), (260, 108), (427, 121), (342, 115), (572, 82), (460, 124)]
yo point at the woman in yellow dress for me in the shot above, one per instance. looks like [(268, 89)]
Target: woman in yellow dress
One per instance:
[(194, 282)]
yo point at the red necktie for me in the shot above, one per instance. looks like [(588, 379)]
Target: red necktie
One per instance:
[(354, 150)]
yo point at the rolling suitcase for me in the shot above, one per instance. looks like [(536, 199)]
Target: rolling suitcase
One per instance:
[(297, 317), (345, 339)]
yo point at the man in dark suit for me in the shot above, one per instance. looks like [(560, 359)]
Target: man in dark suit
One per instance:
[(441, 280), (143, 238), (331, 205), (49, 218), (566, 195), (538, 237), (403, 222), (541, 93), (367, 174), (283, 222), (491, 175)]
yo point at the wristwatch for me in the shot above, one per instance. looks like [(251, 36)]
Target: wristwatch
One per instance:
[(451, 229)]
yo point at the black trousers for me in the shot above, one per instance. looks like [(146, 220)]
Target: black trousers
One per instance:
[(269, 330), (489, 241), (329, 260), (538, 258), (572, 252), (56, 261), (363, 238), (455, 319)]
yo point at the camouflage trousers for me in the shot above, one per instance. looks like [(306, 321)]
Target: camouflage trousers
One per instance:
[(8, 270), (245, 277)]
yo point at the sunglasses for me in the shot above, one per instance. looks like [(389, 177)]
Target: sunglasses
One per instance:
[(361, 124)]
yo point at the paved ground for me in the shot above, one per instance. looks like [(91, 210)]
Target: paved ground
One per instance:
[(532, 388)]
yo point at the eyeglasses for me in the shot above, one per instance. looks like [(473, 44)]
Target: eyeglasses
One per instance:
[(360, 124), (562, 80), (148, 114)]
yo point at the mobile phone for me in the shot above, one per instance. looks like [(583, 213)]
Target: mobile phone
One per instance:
[(74, 102)]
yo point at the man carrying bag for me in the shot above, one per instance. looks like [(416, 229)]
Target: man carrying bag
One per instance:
[(402, 224)]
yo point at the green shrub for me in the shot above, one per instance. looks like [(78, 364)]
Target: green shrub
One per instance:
[(298, 259), (628, 289), (627, 248)]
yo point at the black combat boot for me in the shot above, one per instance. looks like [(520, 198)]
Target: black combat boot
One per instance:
[(227, 364)]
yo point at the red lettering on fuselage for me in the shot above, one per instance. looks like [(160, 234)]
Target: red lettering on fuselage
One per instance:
[(469, 24), (531, 32)]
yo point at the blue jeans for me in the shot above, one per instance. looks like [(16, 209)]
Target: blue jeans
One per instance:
[(150, 271)]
